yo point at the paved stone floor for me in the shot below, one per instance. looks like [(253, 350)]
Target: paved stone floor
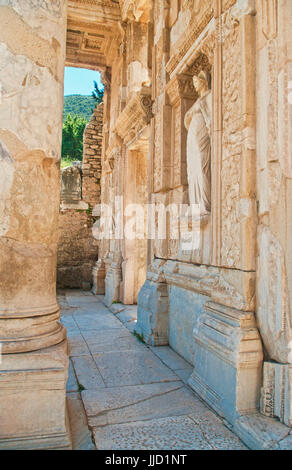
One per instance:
[(125, 395)]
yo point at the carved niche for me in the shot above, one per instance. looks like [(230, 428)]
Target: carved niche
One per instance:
[(182, 95)]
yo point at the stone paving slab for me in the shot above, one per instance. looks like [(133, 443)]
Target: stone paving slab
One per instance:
[(132, 327), (128, 315), (172, 433), (184, 374), (170, 357), (212, 427), (135, 396), (72, 385), (117, 308), (70, 324), (118, 339), (87, 373), (77, 345), (263, 433), (132, 368), (138, 403), (96, 321), (82, 301), (81, 435)]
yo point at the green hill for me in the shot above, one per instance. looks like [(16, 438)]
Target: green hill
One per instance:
[(81, 105)]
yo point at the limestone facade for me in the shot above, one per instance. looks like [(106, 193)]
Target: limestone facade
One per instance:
[(223, 305)]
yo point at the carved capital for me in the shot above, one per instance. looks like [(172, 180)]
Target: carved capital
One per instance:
[(135, 116), (181, 86)]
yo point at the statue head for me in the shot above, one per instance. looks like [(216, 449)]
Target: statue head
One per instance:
[(201, 82)]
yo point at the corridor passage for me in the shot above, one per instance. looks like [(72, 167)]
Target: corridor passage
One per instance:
[(124, 395)]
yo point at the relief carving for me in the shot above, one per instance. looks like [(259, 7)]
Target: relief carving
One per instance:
[(269, 18)]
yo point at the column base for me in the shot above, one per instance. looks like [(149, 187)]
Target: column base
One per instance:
[(33, 396), (152, 321), (227, 361), (98, 275), (112, 284)]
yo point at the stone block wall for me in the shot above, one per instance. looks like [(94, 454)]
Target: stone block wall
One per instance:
[(80, 192), (91, 166), (77, 251)]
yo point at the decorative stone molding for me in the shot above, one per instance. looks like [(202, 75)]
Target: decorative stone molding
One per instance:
[(135, 116), (139, 10), (276, 394), (269, 18), (201, 17), (181, 86), (200, 63), (181, 94), (93, 33), (237, 291), (227, 360)]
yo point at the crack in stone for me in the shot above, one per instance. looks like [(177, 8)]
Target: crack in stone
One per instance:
[(203, 432), (105, 412)]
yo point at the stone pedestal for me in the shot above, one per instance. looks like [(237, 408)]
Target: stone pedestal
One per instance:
[(227, 361), (113, 281), (153, 321), (98, 276), (33, 410), (276, 394), (33, 370)]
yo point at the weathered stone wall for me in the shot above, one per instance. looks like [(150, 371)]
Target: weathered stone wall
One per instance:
[(91, 165), (80, 192), (77, 249)]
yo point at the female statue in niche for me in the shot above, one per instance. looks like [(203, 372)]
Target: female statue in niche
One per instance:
[(198, 124)]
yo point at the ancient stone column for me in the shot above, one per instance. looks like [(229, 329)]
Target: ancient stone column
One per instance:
[(33, 369)]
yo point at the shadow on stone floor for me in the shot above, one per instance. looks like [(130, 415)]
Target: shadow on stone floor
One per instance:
[(124, 395)]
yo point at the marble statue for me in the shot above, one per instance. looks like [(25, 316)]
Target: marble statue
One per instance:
[(198, 124)]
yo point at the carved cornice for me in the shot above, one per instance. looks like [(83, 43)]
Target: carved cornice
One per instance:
[(135, 116), (236, 292), (200, 20), (102, 8), (93, 33), (180, 86)]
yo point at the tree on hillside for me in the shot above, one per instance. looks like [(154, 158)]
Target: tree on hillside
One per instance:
[(97, 93), (72, 137)]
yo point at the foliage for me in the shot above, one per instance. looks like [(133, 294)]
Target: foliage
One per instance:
[(82, 105), (66, 161), (72, 137), (97, 94), (77, 112), (139, 336)]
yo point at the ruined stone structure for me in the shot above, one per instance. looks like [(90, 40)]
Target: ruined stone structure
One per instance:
[(80, 192), (225, 306)]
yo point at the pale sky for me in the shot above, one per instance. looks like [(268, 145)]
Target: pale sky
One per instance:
[(80, 81)]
